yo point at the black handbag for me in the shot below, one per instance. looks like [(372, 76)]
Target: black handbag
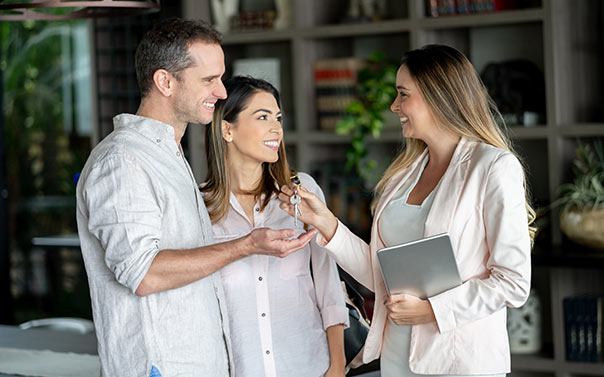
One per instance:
[(356, 334)]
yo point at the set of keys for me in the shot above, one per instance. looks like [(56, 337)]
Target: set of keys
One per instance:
[(295, 199)]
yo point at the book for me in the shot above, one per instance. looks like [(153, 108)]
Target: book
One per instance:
[(336, 87), (583, 328)]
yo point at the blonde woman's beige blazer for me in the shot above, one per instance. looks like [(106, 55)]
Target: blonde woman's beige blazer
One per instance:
[(481, 204)]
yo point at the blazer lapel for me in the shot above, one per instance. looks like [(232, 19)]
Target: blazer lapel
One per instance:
[(445, 202)]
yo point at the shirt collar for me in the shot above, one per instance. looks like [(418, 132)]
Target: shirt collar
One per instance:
[(152, 129)]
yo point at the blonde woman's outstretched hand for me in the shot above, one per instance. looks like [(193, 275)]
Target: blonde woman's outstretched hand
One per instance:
[(312, 210)]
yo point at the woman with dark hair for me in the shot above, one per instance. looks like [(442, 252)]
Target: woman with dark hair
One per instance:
[(456, 174), (283, 320)]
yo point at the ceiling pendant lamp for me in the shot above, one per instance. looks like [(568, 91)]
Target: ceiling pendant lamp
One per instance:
[(21, 10)]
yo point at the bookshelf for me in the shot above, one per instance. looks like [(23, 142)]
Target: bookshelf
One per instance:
[(565, 39)]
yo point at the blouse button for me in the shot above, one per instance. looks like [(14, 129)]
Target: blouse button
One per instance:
[(268, 352), (263, 314), (158, 140), (260, 278)]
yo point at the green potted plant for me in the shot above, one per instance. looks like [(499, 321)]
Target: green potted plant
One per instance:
[(582, 201), (376, 90)]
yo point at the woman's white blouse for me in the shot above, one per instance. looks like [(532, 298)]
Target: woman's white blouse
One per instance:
[(402, 222), (277, 311)]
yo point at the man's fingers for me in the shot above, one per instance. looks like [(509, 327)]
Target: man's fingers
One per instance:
[(281, 234), (307, 236), (298, 243)]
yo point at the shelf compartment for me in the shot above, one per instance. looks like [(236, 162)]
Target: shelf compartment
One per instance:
[(568, 150), (258, 36), (530, 373), (526, 133), (329, 137), (518, 52), (534, 155), (392, 45), (585, 369), (361, 47), (578, 60), (509, 17), (495, 43), (291, 150), (582, 130), (278, 50), (344, 30), (335, 12), (533, 363)]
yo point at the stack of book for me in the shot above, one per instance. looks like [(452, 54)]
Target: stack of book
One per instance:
[(583, 328), (436, 8), (253, 20), (336, 86)]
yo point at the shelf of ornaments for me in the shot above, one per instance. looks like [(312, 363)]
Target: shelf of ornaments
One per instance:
[(400, 23), (505, 17)]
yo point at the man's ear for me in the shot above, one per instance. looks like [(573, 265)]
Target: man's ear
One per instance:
[(164, 82), (227, 135)]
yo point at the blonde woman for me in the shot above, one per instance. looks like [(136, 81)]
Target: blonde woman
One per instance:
[(283, 320), (456, 174)]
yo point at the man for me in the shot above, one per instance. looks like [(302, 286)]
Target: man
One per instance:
[(145, 233)]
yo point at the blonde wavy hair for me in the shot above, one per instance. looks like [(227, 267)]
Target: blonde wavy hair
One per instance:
[(458, 99)]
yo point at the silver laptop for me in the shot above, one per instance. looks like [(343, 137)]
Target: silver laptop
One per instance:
[(423, 268)]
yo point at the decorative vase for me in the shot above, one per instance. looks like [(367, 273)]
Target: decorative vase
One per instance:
[(222, 12), (524, 326), (584, 226), (284, 14)]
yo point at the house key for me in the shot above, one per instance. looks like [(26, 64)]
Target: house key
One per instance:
[(295, 199)]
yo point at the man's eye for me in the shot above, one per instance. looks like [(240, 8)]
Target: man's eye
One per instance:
[(280, 119), (262, 117)]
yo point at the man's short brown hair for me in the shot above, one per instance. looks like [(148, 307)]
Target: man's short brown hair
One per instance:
[(166, 46)]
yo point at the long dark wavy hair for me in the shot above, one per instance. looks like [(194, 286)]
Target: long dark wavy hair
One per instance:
[(216, 189)]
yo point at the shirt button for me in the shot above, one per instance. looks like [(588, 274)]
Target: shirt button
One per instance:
[(263, 314), (257, 209), (178, 154), (268, 352), (260, 278), (158, 140)]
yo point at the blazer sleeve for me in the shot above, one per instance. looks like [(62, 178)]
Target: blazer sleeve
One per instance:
[(328, 288), (351, 253), (509, 261)]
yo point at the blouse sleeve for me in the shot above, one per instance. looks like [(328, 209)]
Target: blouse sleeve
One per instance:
[(125, 215), (509, 260), (328, 288)]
